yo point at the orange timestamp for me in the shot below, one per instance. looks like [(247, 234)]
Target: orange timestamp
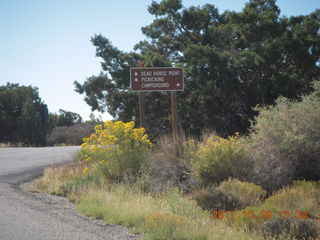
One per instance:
[(263, 214)]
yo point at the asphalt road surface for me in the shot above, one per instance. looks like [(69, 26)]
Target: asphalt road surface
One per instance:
[(31, 216)]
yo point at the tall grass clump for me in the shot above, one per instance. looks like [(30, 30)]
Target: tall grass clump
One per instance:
[(218, 159), (172, 226), (68, 180), (117, 149), (120, 205), (285, 142)]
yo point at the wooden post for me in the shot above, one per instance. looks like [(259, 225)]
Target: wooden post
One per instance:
[(174, 121), (142, 108)]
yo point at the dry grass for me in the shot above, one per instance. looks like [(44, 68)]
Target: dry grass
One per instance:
[(55, 179), (11, 145), (166, 170), (167, 216)]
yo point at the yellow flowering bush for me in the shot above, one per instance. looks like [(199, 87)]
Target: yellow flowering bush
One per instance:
[(218, 158), (117, 149)]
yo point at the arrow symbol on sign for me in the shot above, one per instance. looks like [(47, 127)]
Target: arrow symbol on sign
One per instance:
[(136, 74), (136, 80)]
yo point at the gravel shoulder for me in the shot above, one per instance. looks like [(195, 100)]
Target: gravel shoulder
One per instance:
[(62, 209), (31, 216)]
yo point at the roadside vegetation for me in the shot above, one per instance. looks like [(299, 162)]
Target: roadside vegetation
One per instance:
[(68, 128), (70, 135), (265, 185)]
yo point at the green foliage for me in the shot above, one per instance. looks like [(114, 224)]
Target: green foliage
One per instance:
[(216, 199), (232, 62), (285, 141), (298, 204), (230, 195), (63, 118), (248, 193), (302, 196), (23, 115), (217, 159), (52, 121), (67, 118)]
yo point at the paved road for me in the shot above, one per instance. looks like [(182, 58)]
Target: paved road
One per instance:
[(30, 216)]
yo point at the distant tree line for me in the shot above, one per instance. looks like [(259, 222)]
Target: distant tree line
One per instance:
[(23, 115), (63, 118), (67, 128), (24, 120), (232, 62)]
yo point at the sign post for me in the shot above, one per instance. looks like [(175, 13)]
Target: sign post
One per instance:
[(142, 108), (159, 79), (174, 116)]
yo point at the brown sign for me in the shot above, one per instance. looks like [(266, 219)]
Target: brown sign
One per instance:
[(156, 79)]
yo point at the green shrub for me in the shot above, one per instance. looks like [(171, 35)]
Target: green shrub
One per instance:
[(291, 228), (285, 142), (215, 199), (301, 201), (230, 195), (302, 196), (217, 159), (248, 193)]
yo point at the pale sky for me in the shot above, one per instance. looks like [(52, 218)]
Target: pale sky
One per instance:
[(46, 43)]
